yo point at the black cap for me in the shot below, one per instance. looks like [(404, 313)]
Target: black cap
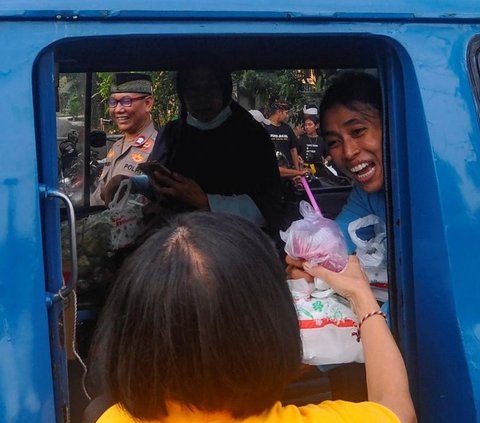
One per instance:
[(132, 83)]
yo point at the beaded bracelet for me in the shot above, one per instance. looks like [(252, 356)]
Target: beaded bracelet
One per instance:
[(373, 313)]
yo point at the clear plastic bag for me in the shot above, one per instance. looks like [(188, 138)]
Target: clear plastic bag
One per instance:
[(102, 235), (372, 253), (326, 326), (316, 239)]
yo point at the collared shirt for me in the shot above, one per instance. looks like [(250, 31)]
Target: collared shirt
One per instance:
[(123, 160)]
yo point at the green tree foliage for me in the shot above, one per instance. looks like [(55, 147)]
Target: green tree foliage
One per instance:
[(296, 86), (104, 81), (101, 85), (71, 94), (166, 106), (259, 88), (74, 106)]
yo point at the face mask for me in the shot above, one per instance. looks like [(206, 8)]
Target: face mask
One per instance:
[(212, 124)]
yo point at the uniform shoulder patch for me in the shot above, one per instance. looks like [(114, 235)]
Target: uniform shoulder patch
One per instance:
[(137, 157), (147, 145)]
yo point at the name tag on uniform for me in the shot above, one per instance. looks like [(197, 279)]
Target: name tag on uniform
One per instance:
[(140, 141)]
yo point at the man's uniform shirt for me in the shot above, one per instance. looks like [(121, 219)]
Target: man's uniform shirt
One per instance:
[(126, 162)]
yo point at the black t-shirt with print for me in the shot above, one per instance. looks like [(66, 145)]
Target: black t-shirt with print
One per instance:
[(312, 149), (284, 139)]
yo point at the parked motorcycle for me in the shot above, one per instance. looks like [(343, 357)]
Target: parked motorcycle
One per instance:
[(72, 165), (98, 139), (71, 168)]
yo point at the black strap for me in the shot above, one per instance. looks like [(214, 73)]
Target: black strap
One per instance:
[(164, 148), (159, 149)]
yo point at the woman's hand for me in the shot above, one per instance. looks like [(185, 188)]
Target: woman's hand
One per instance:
[(387, 381), (348, 282), (181, 188), (351, 283)]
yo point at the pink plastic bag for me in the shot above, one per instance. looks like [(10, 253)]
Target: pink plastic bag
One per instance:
[(316, 239)]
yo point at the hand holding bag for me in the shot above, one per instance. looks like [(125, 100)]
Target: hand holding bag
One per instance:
[(326, 321)]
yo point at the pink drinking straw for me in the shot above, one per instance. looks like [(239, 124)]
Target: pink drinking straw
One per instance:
[(310, 195)]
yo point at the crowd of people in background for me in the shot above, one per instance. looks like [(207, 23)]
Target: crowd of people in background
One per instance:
[(300, 151), (300, 148)]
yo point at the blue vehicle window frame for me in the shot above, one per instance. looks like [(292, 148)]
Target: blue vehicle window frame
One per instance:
[(473, 63)]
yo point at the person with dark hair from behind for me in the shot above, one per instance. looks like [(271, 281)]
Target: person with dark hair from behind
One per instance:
[(221, 157), (201, 327)]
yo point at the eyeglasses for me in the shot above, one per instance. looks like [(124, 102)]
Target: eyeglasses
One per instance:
[(124, 101)]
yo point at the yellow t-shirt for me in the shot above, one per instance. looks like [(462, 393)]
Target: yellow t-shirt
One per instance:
[(326, 412)]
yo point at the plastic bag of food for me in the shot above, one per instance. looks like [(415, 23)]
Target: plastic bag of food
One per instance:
[(326, 326), (316, 239), (326, 320), (102, 235)]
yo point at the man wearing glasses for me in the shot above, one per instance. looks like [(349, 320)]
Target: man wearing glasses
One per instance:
[(130, 104)]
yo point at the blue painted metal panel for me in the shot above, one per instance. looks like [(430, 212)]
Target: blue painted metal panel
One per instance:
[(25, 365), (187, 9), (454, 136), (426, 305), (436, 182), (44, 100), (442, 141)]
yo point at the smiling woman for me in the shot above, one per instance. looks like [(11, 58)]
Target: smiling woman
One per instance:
[(354, 138), (351, 124), (350, 121)]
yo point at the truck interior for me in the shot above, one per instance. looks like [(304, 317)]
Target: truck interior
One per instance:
[(88, 55)]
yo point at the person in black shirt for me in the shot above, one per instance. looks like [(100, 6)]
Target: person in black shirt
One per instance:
[(284, 140), (311, 147)]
